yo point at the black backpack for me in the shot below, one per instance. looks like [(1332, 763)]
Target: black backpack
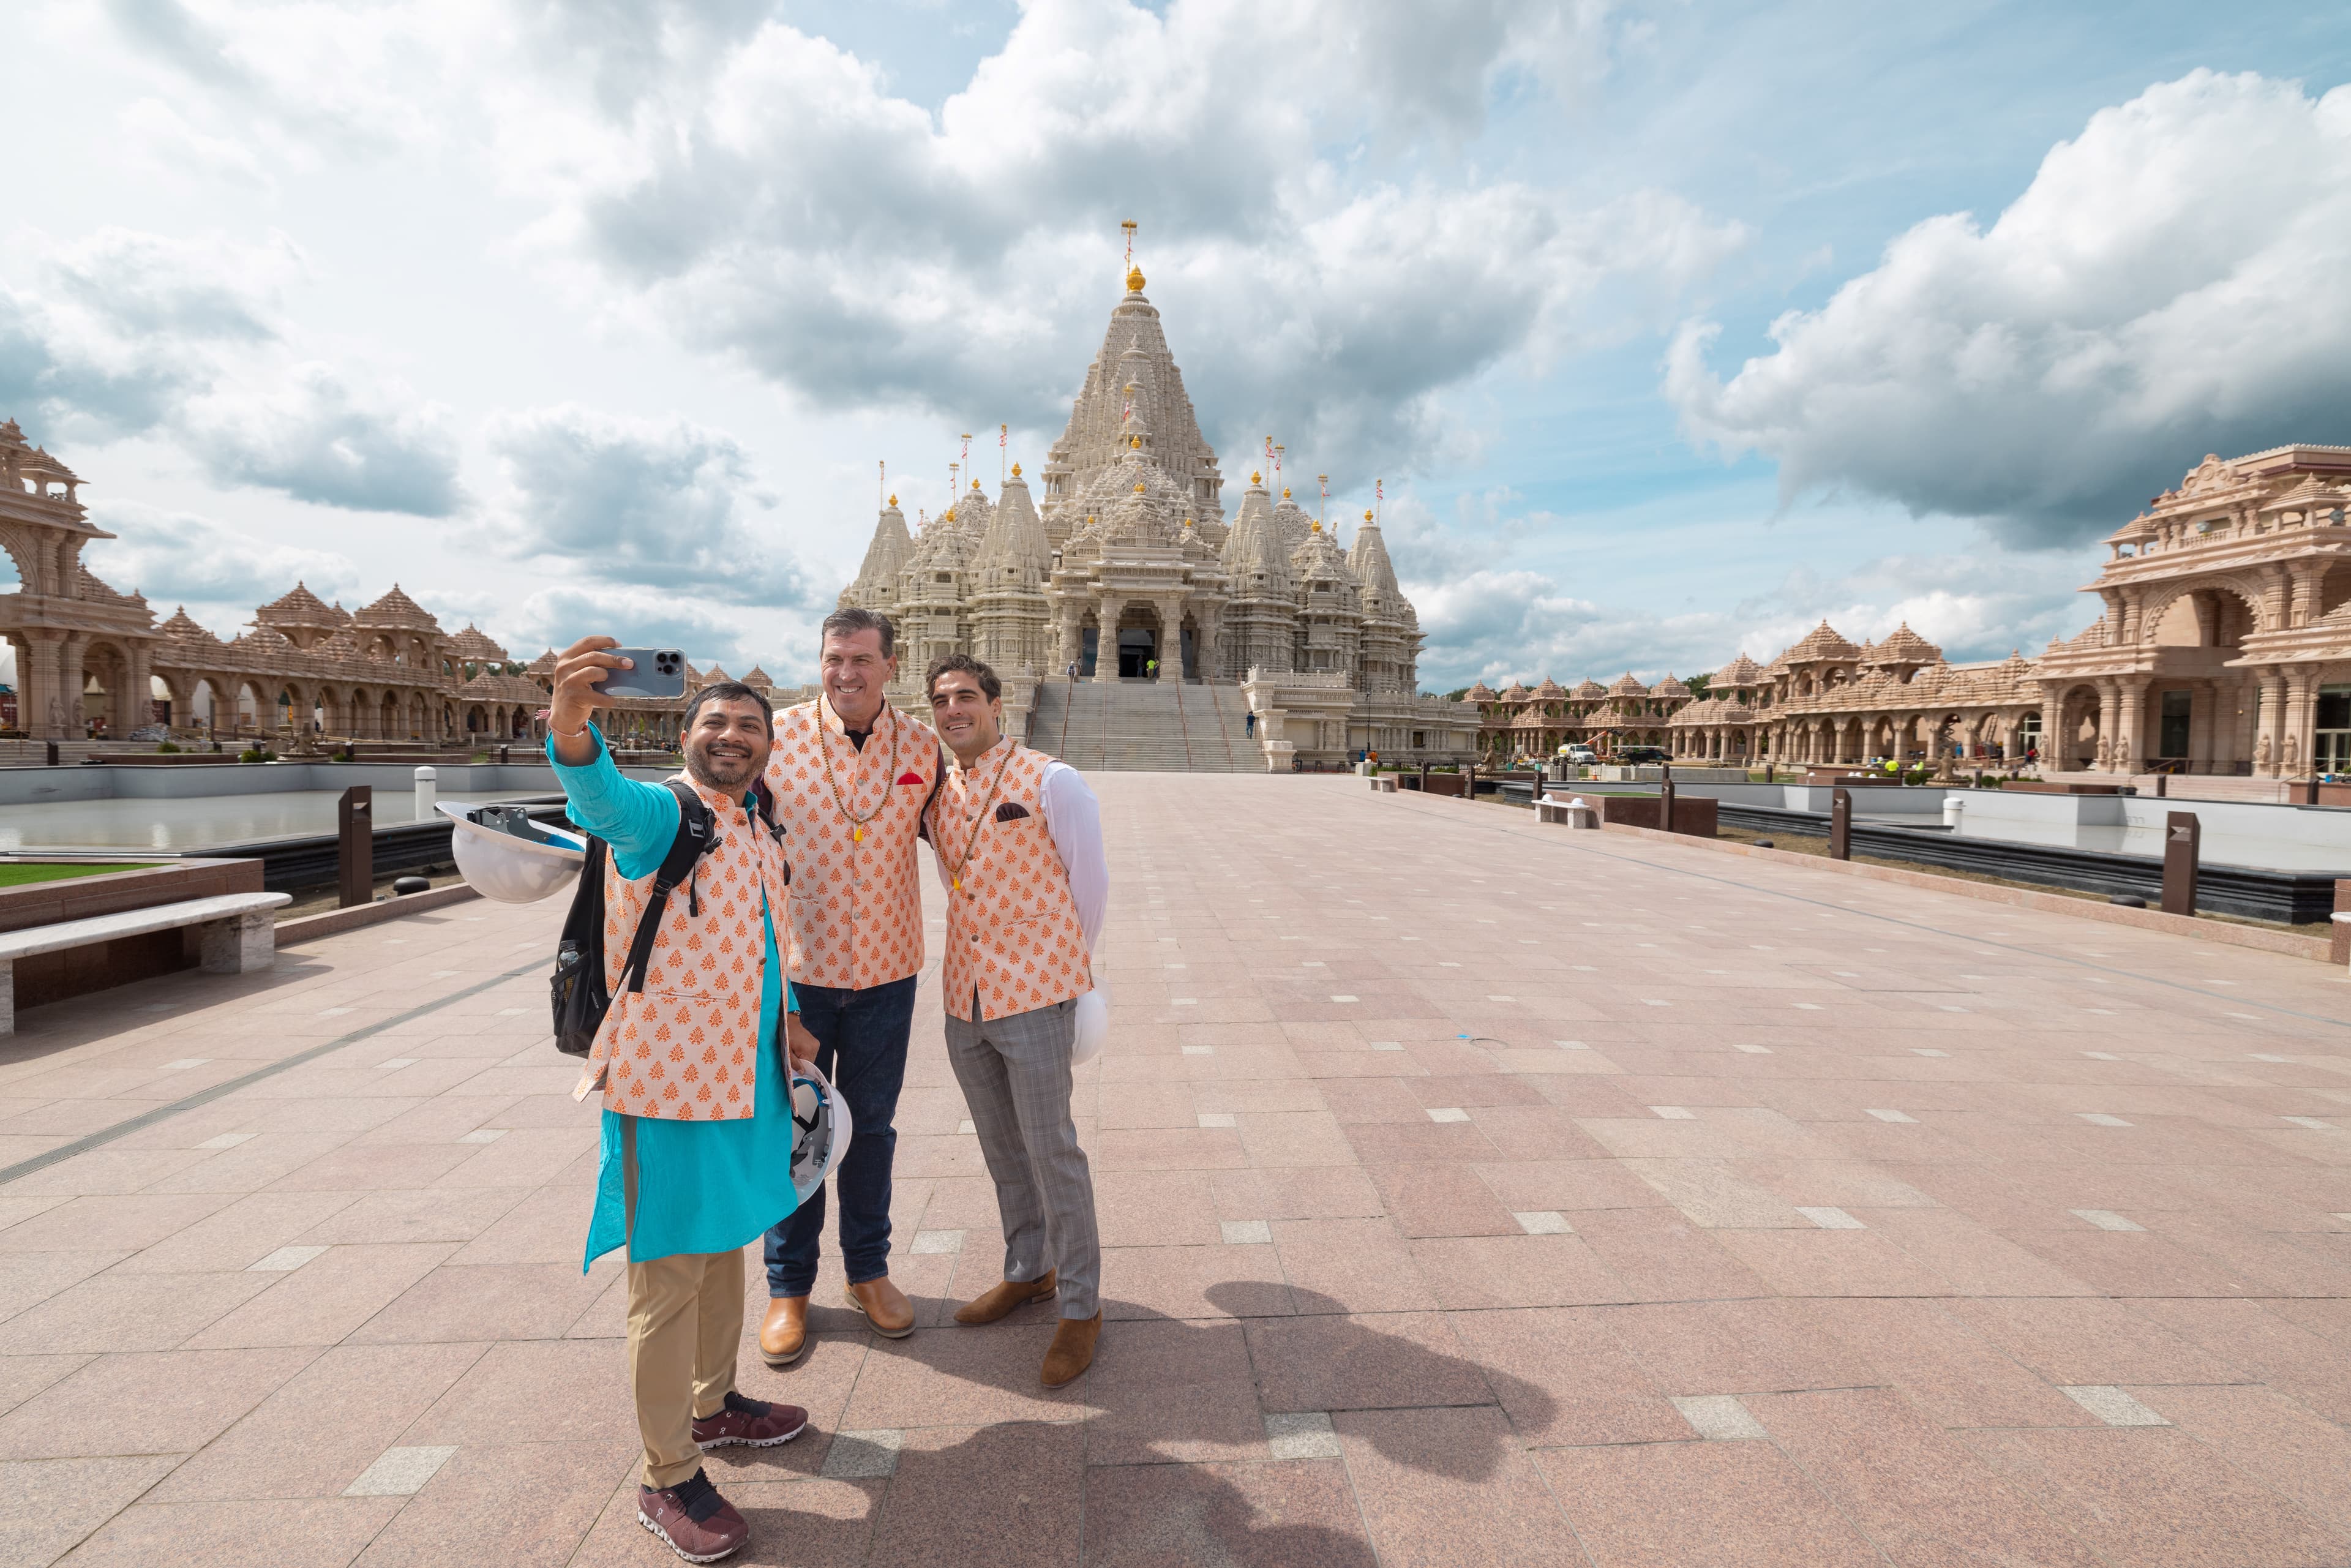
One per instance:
[(576, 989)]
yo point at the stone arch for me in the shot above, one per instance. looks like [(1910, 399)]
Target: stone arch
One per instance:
[(2154, 610), (2080, 729)]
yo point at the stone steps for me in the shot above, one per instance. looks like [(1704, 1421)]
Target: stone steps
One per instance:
[(1161, 726)]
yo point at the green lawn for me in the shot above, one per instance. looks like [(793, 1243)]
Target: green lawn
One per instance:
[(54, 871)]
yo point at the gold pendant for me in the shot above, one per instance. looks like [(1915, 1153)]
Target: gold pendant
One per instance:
[(958, 885), (856, 835)]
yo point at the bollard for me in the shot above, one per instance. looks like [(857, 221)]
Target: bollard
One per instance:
[(1423, 781), (1841, 824), (2341, 953), (355, 846), (1666, 802), (1954, 811), (1469, 782), (506, 755), (53, 753), (2183, 843), (428, 791)]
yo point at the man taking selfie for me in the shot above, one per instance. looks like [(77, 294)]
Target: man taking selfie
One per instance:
[(697, 1128), (849, 776), (1019, 836)]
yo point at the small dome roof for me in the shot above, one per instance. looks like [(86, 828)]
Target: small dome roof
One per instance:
[(1626, 687)]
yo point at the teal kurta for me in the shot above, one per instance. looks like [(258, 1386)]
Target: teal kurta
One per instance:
[(701, 1187)]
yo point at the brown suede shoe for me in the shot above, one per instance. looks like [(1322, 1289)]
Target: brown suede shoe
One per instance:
[(999, 1299), (1072, 1350), (783, 1334), (884, 1306)]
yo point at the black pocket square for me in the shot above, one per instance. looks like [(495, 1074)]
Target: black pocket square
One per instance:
[(1010, 812)]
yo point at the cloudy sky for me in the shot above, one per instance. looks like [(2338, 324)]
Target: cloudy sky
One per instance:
[(1671, 327)]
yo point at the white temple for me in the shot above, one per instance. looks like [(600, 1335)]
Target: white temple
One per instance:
[(1127, 560)]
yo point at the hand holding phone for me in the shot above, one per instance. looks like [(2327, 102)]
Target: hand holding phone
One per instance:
[(654, 673), (588, 673)]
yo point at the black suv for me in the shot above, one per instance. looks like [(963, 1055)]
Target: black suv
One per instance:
[(1630, 754)]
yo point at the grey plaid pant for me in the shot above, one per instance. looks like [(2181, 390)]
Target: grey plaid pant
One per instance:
[(1015, 1073)]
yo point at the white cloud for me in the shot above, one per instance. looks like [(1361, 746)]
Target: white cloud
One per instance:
[(159, 137), (840, 242), (1497, 625), (666, 506), (732, 635), (316, 436), (218, 573), (1329, 259), (126, 333), (2172, 282)]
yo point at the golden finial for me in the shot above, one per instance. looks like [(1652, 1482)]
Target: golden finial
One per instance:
[(893, 500), (1016, 470), (1135, 280), (1134, 442), (1367, 518), (1312, 527), (1285, 492), (975, 483), (1138, 487), (1256, 477), (947, 515)]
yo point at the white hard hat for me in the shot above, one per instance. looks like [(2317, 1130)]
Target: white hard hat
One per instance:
[(504, 855), (1093, 1026), (821, 1128)]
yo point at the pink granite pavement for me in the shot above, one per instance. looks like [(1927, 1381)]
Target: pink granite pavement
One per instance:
[(1475, 1193)]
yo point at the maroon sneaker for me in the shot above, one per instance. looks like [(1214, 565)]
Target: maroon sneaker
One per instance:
[(698, 1524), (753, 1423)]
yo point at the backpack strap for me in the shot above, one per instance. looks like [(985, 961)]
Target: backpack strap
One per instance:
[(695, 833)]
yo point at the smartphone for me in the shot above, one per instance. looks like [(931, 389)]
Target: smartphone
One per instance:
[(657, 672)]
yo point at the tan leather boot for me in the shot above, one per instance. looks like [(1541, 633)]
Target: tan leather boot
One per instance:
[(884, 1307), (1072, 1350), (783, 1332), (999, 1299)]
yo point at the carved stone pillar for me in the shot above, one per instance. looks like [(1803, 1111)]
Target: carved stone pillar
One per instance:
[(1108, 608), (2268, 746), (2295, 751), (2109, 719)]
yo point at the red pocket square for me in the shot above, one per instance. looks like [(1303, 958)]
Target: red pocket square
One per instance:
[(909, 777)]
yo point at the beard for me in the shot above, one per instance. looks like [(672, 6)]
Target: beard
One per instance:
[(727, 770)]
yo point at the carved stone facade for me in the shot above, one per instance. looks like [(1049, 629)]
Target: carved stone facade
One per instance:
[(2225, 648), (1127, 568)]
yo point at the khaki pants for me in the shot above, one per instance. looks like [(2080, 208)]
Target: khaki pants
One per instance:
[(685, 1322)]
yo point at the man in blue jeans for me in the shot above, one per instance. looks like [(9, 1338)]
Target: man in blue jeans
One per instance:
[(849, 776)]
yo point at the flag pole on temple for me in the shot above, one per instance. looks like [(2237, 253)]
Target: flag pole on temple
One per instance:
[(1324, 480), (1003, 454), (881, 482)]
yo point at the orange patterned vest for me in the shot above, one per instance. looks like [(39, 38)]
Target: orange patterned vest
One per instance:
[(686, 1049), (1013, 934), (857, 906)]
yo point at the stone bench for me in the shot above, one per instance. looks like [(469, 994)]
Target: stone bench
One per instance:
[(1383, 781), (1551, 808), (238, 932)]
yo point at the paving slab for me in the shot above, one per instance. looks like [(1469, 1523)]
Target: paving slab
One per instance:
[(1472, 1192)]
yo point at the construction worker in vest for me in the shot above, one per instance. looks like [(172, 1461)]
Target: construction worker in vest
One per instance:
[(696, 1147), (1018, 839), (849, 776)]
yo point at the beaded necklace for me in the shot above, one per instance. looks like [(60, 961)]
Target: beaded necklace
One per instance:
[(955, 871), (856, 822)]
